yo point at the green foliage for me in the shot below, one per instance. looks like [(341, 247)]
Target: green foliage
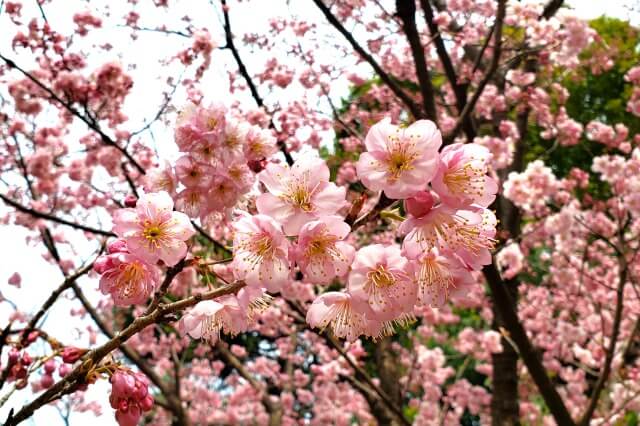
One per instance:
[(593, 96)]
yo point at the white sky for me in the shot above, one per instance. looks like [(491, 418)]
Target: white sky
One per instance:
[(39, 277)]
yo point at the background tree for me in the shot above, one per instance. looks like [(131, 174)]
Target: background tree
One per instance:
[(553, 98)]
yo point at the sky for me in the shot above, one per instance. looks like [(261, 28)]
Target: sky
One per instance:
[(38, 276)]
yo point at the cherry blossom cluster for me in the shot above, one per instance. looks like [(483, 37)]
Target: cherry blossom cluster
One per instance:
[(150, 233), (299, 223), (220, 154)]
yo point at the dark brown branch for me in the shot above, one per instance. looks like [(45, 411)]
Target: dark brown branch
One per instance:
[(209, 238), (407, 12), (46, 216), (173, 399), (504, 305), (87, 120), (459, 90), (493, 67), (384, 76), (373, 214), (247, 77), (551, 8)]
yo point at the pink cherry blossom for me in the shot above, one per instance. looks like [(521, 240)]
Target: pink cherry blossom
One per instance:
[(199, 125), (126, 277), (379, 278), (462, 178), (467, 233), (338, 311), (193, 174), (299, 194), (399, 161), (260, 252), (153, 231), (438, 276), (208, 319), (321, 252)]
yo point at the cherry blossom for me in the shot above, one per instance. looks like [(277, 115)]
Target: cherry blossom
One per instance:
[(126, 277), (399, 161), (261, 252), (299, 194), (153, 231), (320, 252)]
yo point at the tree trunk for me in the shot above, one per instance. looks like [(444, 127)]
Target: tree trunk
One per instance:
[(505, 408), (387, 367)]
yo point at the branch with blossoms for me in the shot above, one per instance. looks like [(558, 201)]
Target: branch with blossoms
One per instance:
[(298, 225), (87, 119), (353, 246)]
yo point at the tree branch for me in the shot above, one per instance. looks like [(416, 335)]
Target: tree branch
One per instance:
[(173, 399), (90, 123), (46, 216), (71, 381), (459, 90), (504, 305), (386, 78), (407, 12), (247, 77), (493, 67), (585, 419)]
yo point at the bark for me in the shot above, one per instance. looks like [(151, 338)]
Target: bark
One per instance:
[(387, 367)]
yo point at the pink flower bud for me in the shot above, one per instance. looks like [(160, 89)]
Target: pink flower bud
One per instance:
[(257, 166), (14, 355), (131, 201), (46, 381), (50, 366), (129, 417), (117, 246), (147, 403), (26, 359), (15, 280), (32, 336), (64, 369), (420, 204), (72, 354), (101, 264)]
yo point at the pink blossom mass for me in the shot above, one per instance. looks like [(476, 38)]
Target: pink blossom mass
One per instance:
[(309, 213)]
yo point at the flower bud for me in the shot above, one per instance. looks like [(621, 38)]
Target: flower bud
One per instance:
[(50, 366), (131, 201), (72, 354), (420, 204), (64, 369), (46, 381), (26, 359), (117, 246)]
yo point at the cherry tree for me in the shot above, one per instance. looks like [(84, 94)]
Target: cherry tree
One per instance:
[(388, 212)]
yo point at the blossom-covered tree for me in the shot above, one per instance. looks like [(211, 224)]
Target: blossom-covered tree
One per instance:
[(393, 212)]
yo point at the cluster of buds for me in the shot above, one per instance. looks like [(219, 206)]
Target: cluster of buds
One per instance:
[(129, 397), (18, 363)]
